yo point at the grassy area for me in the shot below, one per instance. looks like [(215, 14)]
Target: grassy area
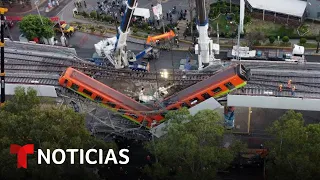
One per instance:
[(226, 27), (272, 29), (264, 26), (282, 44)]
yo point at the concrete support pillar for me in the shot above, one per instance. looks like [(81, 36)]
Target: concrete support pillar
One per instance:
[(288, 19), (263, 15)]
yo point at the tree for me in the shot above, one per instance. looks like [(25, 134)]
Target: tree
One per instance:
[(285, 39), (23, 120), (192, 148), (32, 27), (254, 37), (303, 40), (93, 14), (294, 152), (272, 39)]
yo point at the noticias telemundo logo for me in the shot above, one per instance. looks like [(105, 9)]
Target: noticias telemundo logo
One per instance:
[(48, 157)]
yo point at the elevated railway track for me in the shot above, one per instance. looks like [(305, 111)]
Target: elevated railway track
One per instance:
[(24, 67)]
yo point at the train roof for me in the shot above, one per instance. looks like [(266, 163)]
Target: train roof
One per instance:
[(123, 99), (202, 85)]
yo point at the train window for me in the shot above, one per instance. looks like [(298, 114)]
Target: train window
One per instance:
[(65, 82), (134, 116), (229, 85), (206, 95), (111, 104), (87, 92), (121, 110), (174, 108), (75, 87), (98, 99), (185, 105), (216, 90), (194, 101)]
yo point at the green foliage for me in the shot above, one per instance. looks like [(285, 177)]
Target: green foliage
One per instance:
[(93, 14), (99, 17), (32, 27), (235, 9), (23, 120), (294, 152), (303, 40), (284, 31), (285, 39), (134, 30), (247, 19), (254, 38), (192, 147), (303, 29), (109, 18), (144, 26), (272, 39), (85, 14)]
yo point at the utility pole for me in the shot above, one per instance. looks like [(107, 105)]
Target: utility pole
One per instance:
[(218, 33), (37, 3), (2, 73)]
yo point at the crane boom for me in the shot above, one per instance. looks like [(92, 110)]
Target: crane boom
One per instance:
[(123, 30), (205, 47)]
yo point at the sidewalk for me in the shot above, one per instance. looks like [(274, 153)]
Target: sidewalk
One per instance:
[(185, 44), (18, 10)]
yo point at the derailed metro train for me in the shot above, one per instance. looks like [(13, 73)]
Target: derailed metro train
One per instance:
[(215, 86)]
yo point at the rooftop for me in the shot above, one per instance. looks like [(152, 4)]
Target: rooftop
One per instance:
[(289, 7), (24, 46)]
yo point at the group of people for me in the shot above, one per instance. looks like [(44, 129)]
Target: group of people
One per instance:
[(289, 85), (78, 4)]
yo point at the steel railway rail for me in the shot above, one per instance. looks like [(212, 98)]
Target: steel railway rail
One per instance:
[(279, 65)]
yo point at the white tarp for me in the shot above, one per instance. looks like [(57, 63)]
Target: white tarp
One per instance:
[(157, 10), (289, 7), (143, 12)]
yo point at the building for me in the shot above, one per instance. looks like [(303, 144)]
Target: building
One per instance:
[(313, 9), (280, 9), (291, 12)]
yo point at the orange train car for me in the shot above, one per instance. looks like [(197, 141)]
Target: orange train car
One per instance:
[(99, 92), (215, 86)]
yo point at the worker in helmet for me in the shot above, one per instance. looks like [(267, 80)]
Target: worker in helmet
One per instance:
[(280, 87), (289, 84)]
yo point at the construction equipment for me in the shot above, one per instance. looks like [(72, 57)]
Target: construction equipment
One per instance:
[(115, 48), (205, 49)]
